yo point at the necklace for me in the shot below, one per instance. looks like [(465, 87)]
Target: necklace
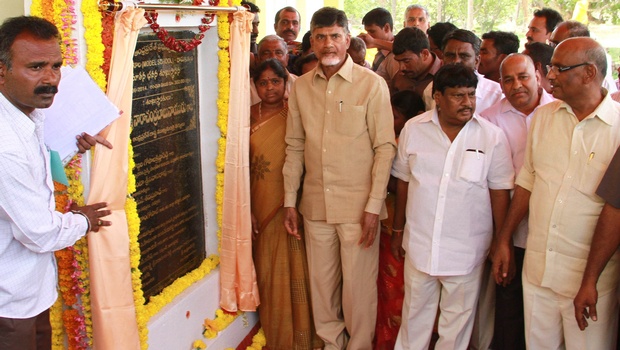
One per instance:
[(260, 109)]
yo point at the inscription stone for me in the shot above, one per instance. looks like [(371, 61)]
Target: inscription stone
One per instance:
[(166, 143)]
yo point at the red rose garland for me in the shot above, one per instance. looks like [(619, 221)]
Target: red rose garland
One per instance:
[(181, 45)]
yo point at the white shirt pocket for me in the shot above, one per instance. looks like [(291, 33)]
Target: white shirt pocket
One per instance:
[(472, 165)]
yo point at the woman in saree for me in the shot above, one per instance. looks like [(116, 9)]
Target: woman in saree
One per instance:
[(406, 104), (280, 259)]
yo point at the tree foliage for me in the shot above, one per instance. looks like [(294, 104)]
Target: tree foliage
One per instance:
[(510, 15)]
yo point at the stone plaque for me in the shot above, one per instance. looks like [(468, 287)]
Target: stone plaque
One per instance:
[(166, 144)]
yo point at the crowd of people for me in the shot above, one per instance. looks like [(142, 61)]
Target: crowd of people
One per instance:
[(450, 187)]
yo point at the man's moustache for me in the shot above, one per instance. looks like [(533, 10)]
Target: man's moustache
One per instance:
[(47, 89)]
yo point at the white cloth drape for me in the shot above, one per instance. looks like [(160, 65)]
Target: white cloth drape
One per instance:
[(238, 287), (113, 308)]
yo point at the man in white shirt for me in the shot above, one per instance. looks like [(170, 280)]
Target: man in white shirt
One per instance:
[(30, 228), (570, 143), (448, 159), (463, 47), (521, 85)]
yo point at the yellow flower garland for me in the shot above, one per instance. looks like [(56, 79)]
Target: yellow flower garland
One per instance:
[(223, 77), (94, 44), (157, 302), (36, 8), (258, 341), (58, 335), (222, 320)]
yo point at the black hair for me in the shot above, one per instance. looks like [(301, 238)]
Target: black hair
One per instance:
[(504, 42), (379, 17), (287, 9), (250, 6), (408, 102), (305, 42), (465, 36), (275, 65), (357, 44), (410, 39), (540, 53), (438, 31), (452, 76), (301, 61), (552, 18), (329, 16), (13, 27)]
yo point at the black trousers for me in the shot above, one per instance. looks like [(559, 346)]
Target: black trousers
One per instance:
[(33, 333), (509, 323)]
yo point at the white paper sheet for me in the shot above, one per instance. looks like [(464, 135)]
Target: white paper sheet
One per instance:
[(79, 106)]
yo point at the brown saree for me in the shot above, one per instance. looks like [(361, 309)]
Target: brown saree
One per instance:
[(280, 259)]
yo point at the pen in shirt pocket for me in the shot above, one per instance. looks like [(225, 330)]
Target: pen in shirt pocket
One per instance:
[(478, 152), (340, 106)]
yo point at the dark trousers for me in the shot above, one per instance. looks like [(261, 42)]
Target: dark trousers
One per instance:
[(33, 333), (509, 324)]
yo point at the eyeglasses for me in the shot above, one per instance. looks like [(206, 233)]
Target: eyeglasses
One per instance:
[(557, 70)]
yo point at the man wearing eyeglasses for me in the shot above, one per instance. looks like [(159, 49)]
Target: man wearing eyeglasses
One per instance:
[(570, 144)]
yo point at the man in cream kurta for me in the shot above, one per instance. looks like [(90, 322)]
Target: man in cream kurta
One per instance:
[(570, 144), (340, 131)]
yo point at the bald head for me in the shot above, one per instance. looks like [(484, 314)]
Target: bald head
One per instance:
[(520, 82), (517, 59), (586, 50), (578, 67), (568, 29)]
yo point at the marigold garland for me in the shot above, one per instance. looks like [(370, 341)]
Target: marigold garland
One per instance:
[(223, 77), (94, 46), (258, 341), (107, 38), (133, 228), (36, 8), (57, 8), (58, 339), (222, 320)]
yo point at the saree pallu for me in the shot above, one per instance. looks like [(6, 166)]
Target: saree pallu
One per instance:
[(280, 259)]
